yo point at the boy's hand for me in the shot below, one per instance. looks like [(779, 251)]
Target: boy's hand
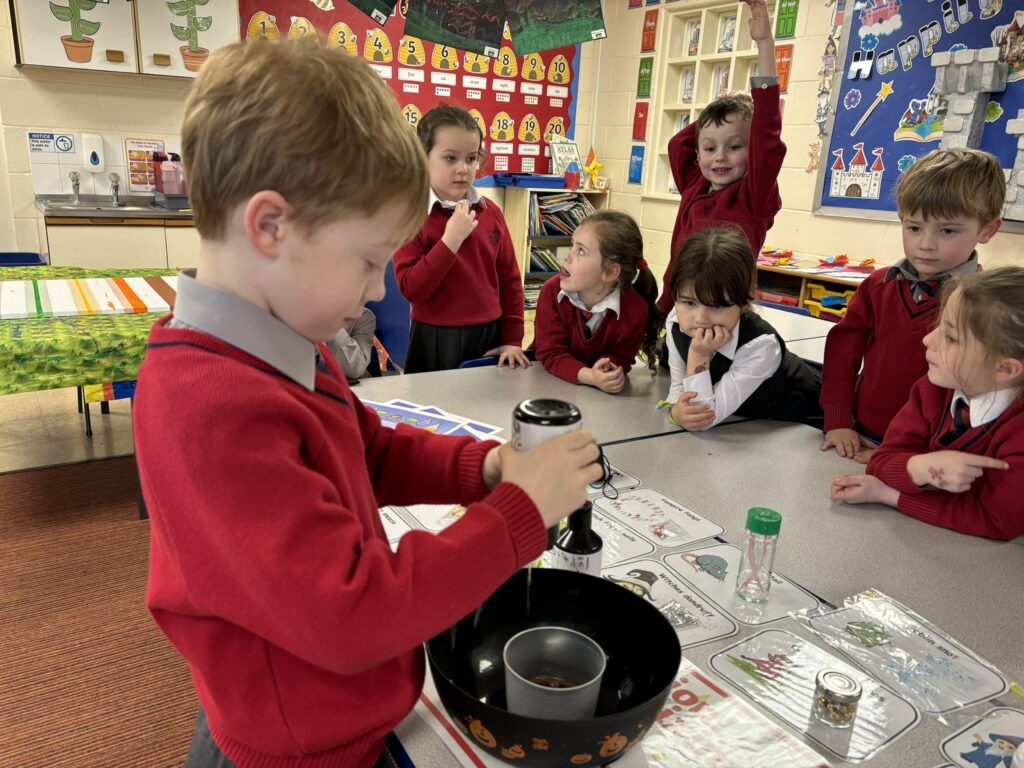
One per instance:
[(863, 489), (509, 355), (692, 417), (607, 376), (492, 467), (952, 471), (760, 21), (708, 340), (849, 444), (555, 474), (459, 227)]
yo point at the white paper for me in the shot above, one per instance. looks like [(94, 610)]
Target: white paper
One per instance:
[(712, 570), (695, 619), (659, 518)]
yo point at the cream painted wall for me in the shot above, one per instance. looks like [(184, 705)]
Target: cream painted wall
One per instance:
[(796, 227), (44, 99)]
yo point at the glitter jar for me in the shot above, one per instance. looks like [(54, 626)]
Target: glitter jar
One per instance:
[(836, 696)]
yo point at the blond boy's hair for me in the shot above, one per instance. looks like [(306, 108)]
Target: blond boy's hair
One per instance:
[(311, 123), (947, 183)]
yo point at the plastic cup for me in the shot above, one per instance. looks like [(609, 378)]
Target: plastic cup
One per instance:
[(553, 673)]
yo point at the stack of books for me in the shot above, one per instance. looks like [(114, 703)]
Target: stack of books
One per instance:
[(543, 260), (557, 214)]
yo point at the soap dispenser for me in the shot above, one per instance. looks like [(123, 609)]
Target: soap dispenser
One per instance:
[(92, 153)]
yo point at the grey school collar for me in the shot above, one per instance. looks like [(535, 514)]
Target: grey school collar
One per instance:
[(242, 324), (905, 270)]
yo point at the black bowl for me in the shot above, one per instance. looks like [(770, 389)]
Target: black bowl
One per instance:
[(643, 659)]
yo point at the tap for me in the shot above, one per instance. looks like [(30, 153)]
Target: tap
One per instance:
[(115, 183), (75, 179)]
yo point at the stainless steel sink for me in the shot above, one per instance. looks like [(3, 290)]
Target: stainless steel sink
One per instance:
[(107, 208)]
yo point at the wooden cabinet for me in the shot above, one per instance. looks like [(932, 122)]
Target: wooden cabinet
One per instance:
[(163, 38), (77, 34), (102, 245), (176, 38), (182, 245)]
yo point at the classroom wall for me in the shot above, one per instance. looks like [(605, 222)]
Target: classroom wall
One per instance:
[(46, 99), (101, 102), (796, 227)]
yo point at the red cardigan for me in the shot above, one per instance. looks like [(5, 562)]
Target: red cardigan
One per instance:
[(992, 506), (562, 344), (269, 567), (478, 285), (750, 203), (883, 329)]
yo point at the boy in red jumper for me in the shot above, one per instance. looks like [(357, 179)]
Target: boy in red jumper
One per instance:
[(460, 271), (269, 567), (948, 201), (595, 316), (726, 165), (954, 455)]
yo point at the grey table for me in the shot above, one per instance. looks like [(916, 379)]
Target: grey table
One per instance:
[(968, 587), (811, 350), (792, 326), (489, 394)]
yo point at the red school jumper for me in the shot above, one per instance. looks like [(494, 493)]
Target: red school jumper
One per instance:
[(270, 571), (992, 506), (750, 203), (562, 345), (479, 284), (884, 329)]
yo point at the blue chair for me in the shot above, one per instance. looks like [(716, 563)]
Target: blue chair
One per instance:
[(392, 319), (787, 308)]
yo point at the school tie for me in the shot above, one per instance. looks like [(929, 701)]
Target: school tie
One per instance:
[(961, 421), (923, 289), (586, 319)]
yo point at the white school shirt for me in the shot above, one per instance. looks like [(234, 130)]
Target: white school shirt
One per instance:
[(472, 197), (752, 364), (987, 407), (609, 303)]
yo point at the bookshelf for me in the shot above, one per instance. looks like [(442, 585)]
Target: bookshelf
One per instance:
[(705, 51), (522, 204)]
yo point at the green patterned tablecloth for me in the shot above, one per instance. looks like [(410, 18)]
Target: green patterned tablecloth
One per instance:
[(54, 352)]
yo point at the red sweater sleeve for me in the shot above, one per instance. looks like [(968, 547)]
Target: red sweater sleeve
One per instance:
[(844, 353), (554, 337), (419, 269), (510, 287), (766, 153), (990, 507), (314, 580), (682, 157)]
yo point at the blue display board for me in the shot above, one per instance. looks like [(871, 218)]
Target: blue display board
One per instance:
[(887, 113)]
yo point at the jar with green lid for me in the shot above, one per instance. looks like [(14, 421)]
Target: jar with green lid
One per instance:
[(754, 579)]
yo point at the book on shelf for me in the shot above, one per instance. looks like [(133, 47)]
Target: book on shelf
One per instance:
[(543, 260), (557, 214)]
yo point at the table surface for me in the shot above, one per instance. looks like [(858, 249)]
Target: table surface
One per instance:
[(967, 587), (793, 327), (811, 350)]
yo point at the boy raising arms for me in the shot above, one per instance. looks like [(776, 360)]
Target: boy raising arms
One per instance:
[(948, 201), (726, 165), (269, 568)]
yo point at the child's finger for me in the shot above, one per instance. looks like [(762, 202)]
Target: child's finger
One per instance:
[(985, 462)]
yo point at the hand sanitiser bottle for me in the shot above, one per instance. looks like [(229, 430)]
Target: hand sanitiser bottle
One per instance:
[(758, 553)]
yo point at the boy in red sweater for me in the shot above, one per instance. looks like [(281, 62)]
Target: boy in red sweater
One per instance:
[(948, 201), (595, 316), (726, 165), (269, 567), (954, 455)]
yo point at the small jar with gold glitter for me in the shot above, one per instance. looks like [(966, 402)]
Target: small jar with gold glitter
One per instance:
[(836, 696)]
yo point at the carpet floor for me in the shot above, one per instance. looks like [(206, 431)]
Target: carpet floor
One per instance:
[(88, 680)]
